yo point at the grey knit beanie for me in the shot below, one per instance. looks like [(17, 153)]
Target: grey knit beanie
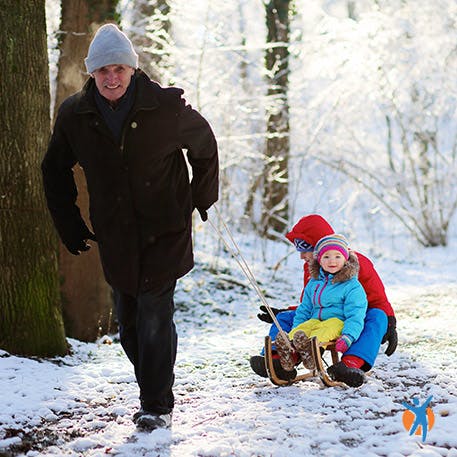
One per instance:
[(110, 46)]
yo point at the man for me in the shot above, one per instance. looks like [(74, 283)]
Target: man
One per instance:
[(379, 325), (128, 134)]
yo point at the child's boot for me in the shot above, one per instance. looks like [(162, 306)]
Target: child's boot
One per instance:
[(287, 356), (304, 347)]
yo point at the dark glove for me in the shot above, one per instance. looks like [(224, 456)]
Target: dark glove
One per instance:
[(203, 214), (391, 336), (265, 316), (81, 245)]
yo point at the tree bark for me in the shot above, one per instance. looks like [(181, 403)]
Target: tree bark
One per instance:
[(30, 315), (276, 176), (86, 296)]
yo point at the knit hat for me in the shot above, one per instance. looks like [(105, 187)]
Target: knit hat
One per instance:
[(110, 46), (302, 245), (335, 242)]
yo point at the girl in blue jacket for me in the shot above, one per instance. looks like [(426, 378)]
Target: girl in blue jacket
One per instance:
[(333, 306)]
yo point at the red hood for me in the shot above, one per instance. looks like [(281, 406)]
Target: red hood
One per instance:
[(310, 228)]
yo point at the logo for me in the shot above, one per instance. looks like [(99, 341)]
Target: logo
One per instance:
[(418, 419)]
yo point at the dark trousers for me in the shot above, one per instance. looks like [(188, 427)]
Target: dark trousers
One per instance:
[(148, 336)]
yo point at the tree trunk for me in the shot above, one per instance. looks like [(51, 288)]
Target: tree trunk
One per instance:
[(86, 296), (30, 316), (276, 176)]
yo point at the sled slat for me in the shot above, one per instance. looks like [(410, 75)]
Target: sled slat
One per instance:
[(319, 371)]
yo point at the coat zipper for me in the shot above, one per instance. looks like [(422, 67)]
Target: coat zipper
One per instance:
[(320, 296)]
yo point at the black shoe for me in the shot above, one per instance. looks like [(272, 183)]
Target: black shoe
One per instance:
[(148, 421), (257, 363), (283, 374), (258, 367), (353, 377)]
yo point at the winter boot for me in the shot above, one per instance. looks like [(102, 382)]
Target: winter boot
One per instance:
[(148, 421), (257, 363), (303, 346), (258, 366), (287, 355), (353, 377)]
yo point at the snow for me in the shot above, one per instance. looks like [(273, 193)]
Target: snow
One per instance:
[(82, 404)]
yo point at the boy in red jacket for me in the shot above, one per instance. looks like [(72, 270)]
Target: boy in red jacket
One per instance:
[(380, 322)]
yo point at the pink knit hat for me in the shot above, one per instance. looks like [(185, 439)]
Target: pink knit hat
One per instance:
[(335, 242)]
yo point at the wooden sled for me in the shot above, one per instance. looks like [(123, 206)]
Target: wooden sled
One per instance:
[(318, 371)]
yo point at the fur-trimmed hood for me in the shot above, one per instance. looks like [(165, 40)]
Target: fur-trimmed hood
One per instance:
[(349, 270)]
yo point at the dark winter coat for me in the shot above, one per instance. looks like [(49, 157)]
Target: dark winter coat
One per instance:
[(141, 198), (340, 295)]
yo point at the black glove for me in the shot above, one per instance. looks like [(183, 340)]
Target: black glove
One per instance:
[(81, 245), (391, 336), (265, 315), (203, 214)]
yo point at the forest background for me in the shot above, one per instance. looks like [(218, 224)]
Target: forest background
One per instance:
[(363, 91), (345, 108), (342, 107)]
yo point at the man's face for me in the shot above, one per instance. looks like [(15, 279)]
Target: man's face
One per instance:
[(306, 256), (112, 81)]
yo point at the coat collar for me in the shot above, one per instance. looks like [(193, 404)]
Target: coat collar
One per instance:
[(144, 97), (350, 269)]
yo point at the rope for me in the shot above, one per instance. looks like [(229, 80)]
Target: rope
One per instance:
[(236, 253)]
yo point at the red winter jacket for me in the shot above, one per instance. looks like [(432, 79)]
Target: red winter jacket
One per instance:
[(312, 228)]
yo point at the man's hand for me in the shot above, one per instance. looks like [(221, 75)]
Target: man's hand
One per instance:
[(391, 336), (203, 214), (81, 245), (265, 315)]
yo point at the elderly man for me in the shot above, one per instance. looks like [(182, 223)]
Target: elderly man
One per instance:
[(128, 134)]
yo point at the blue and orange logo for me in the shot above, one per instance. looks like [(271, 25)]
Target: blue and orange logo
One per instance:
[(418, 419)]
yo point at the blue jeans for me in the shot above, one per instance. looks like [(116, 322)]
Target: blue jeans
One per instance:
[(365, 347)]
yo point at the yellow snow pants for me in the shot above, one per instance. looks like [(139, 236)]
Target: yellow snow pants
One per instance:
[(323, 330)]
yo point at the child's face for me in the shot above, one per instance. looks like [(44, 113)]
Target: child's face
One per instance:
[(332, 261)]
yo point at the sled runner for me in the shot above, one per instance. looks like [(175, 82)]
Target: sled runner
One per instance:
[(318, 371)]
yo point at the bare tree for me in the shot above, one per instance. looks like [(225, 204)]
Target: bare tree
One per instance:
[(30, 317), (384, 114), (150, 34), (275, 205)]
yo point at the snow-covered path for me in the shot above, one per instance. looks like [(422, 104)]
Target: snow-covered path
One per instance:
[(82, 405)]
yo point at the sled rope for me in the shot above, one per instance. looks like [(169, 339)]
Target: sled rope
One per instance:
[(236, 253)]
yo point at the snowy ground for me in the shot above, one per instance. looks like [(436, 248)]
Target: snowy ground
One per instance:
[(81, 405)]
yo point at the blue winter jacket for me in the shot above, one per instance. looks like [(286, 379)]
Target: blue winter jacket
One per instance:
[(340, 295)]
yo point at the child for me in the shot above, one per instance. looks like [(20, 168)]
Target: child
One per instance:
[(333, 306)]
